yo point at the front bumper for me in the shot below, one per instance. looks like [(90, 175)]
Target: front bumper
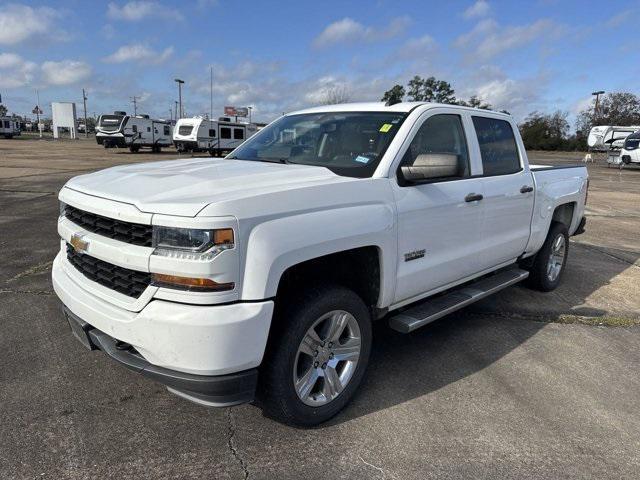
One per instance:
[(195, 340), (212, 390)]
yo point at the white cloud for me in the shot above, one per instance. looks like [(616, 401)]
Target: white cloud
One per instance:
[(488, 39), (19, 23), (139, 53), (479, 9), (519, 96), (65, 72), (417, 47), (348, 30), (138, 10), (15, 72), (621, 18)]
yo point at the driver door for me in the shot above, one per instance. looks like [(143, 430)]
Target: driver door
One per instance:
[(439, 227)]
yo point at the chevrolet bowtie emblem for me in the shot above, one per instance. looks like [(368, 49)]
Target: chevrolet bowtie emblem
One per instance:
[(79, 244)]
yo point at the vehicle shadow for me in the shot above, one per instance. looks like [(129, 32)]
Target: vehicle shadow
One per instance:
[(406, 367)]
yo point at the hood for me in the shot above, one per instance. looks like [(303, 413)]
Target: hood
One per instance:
[(184, 187)]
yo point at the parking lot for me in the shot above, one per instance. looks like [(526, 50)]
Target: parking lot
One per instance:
[(520, 385)]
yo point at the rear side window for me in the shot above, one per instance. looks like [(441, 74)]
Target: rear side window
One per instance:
[(212, 132), (238, 134), (134, 128), (225, 132), (167, 130), (497, 146)]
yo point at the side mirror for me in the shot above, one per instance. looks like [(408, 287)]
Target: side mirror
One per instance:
[(431, 165)]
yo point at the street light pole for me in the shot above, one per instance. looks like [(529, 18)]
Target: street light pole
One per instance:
[(180, 82), (595, 110), (250, 108), (84, 101)]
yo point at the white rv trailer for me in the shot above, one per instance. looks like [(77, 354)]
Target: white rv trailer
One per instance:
[(217, 137), (133, 132), (9, 127), (603, 138), (630, 152)]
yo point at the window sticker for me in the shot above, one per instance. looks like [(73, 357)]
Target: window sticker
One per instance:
[(386, 127), (362, 159)]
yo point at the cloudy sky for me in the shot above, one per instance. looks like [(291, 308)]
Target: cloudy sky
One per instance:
[(283, 55)]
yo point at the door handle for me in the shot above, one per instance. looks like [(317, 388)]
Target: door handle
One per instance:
[(526, 189), (473, 197)]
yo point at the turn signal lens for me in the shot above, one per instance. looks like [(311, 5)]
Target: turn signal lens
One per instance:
[(223, 237), (188, 283)]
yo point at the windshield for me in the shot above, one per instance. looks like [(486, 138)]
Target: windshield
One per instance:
[(632, 142), (349, 144), (110, 122)]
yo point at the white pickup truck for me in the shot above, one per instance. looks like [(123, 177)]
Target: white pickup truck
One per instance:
[(257, 277)]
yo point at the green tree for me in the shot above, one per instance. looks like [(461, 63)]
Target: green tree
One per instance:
[(394, 95), (475, 102), (546, 131), (430, 90), (3, 111)]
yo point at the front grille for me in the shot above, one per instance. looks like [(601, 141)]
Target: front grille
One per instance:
[(133, 233), (128, 282)]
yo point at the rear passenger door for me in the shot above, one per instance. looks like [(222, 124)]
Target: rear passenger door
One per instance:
[(508, 192)]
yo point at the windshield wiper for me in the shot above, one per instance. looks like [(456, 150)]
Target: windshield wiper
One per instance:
[(267, 160)]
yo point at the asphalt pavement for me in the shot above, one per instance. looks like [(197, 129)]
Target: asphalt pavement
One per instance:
[(520, 385)]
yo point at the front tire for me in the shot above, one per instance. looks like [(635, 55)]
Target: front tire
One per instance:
[(318, 354), (548, 267)]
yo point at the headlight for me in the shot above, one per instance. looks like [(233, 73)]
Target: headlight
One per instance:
[(191, 243)]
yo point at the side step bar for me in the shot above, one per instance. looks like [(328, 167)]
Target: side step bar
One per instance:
[(432, 309)]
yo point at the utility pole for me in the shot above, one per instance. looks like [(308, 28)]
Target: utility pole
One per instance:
[(595, 110), (38, 109), (134, 99), (176, 115), (180, 82), (211, 96), (250, 108), (86, 126)]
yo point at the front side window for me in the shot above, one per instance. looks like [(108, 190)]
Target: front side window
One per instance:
[(167, 130), (238, 134), (443, 136), (347, 143), (134, 128), (225, 132), (497, 146), (212, 133)]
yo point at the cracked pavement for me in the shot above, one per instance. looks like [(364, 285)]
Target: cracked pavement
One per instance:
[(496, 391)]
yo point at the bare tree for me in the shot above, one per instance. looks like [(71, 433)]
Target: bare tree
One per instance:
[(335, 94)]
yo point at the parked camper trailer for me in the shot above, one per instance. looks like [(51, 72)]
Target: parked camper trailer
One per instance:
[(603, 138), (217, 137), (133, 132), (630, 152), (9, 127)]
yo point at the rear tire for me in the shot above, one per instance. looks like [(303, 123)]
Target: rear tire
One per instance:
[(134, 149), (548, 267), (317, 356)]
